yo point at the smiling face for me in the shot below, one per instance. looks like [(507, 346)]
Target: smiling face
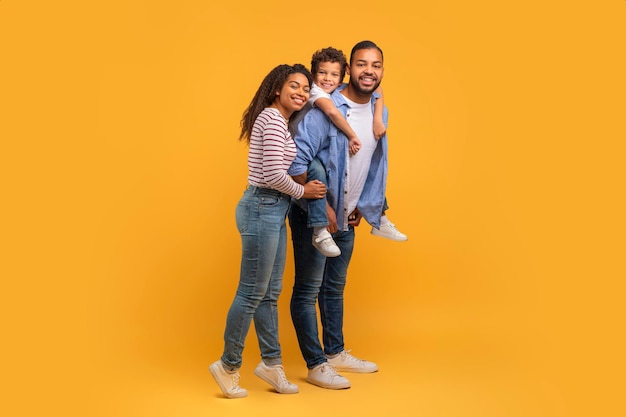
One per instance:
[(328, 76), (293, 95), (366, 70)]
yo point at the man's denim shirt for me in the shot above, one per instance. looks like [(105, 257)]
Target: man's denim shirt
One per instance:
[(317, 136)]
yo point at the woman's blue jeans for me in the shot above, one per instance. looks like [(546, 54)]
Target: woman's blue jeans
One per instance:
[(318, 279), (260, 219)]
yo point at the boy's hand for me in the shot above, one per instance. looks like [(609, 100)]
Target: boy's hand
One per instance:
[(354, 145), (379, 129)]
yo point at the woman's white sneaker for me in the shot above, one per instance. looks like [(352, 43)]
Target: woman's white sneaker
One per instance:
[(227, 381), (275, 376), (325, 376)]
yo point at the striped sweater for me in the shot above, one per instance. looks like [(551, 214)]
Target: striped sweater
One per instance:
[(272, 150)]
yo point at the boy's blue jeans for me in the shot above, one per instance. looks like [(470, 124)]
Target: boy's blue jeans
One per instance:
[(316, 208)]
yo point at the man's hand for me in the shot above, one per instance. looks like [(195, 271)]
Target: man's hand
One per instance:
[(355, 218), (332, 218), (300, 179)]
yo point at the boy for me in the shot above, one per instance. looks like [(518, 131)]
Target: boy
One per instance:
[(328, 67)]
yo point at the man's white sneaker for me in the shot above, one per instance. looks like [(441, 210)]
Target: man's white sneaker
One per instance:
[(344, 362), (325, 244), (389, 231), (325, 376), (275, 376), (228, 381)]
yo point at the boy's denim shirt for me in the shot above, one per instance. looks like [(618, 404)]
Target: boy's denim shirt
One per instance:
[(317, 136)]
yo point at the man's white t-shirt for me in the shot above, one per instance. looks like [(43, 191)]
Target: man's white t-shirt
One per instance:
[(361, 119)]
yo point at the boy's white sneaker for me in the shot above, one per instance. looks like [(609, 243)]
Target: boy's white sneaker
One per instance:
[(227, 381), (275, 376), (344, 362), (326, 245), (325, 376), (389, 231)]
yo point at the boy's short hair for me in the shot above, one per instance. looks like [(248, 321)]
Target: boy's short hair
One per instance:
[(329, 54)]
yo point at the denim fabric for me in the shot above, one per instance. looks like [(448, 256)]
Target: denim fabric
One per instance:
[(316, 208), (260, 216), (317, 136), (318, 279)]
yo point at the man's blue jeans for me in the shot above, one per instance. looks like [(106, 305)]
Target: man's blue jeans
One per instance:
[(318, 279), (260, 219)]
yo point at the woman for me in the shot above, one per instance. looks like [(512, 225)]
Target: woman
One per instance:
[(260, 218)]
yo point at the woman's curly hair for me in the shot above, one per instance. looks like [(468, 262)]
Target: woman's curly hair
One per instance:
[(266, 94)]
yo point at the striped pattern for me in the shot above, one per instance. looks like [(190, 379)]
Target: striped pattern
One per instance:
[(272, 150)]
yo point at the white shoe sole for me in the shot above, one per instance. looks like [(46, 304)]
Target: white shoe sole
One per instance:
[(328, 386), (355, 370)]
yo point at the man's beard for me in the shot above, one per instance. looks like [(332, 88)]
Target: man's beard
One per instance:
[(354, 82)]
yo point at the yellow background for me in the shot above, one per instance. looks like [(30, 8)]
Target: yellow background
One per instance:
[(121, 170)]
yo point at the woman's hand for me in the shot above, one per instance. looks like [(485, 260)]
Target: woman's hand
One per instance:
[(314, 189)]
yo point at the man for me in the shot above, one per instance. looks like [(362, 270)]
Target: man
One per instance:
[(355, 189)]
